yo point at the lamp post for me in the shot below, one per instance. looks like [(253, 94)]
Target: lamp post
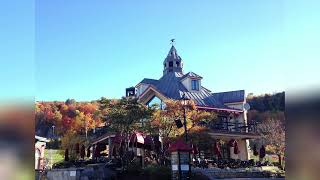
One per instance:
[(184, 101), (52, 139), (53, 135)]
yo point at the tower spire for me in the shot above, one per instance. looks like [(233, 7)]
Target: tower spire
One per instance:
[(173, 62)]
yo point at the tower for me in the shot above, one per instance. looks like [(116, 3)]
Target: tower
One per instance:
[(173, 62)]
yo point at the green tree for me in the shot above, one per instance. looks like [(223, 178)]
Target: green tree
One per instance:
[(124, 116)]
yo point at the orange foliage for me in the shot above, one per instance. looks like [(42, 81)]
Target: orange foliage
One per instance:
[(76, 117)]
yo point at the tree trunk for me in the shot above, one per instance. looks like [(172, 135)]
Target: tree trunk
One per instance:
[(280, 161)]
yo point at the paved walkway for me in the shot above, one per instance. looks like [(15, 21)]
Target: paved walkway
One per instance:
[(212, 173), (255, 179)]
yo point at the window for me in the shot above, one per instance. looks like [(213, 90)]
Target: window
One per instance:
[(178, 64), (195, 85), (170, 64)]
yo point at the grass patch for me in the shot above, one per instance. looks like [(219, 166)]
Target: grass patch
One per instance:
[(56, 155), (270, 158)]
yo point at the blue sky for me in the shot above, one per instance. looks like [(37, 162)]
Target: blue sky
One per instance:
[(88, 49)]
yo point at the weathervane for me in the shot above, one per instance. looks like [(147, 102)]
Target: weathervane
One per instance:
[(172, 42)]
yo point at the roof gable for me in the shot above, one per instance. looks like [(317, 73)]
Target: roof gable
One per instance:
[(191, 75)]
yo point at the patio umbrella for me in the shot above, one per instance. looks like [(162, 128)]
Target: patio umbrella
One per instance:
[(231, 143), (217, 150), (88, 152), (255, 152), (66, 155), (236, 148), (82, 151), (194, 149), (262, 152), (96, 151)]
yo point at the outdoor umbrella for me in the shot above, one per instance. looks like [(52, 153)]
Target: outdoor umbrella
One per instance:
[(255, 152), (66, 155), (236, 148), (231, 143), (88, 152), (97, 151), (262, 152), (82, 151), (217, 150), (194, 149)]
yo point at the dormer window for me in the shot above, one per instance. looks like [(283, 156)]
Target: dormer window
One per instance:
[(195, 85)]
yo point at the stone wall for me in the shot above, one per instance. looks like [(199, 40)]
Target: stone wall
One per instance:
[(256, 172), (95, 171)]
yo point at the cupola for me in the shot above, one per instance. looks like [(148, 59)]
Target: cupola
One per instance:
[(173, 62)]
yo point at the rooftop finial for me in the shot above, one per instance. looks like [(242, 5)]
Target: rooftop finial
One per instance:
[(172, 42)]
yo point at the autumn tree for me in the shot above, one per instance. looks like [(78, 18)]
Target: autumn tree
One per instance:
[(69, 142), (68, 118), (273, 134), (124, 116), (164, 121)]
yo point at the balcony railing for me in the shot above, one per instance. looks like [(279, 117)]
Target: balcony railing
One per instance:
[(234, 127)]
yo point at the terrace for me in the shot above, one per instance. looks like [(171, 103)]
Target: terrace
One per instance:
[(236, 129)]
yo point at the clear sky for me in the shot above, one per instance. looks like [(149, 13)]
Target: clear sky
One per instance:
[(86, 49)]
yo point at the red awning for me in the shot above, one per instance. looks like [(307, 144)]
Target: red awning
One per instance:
[(179, 145), (140, 138), (137, 137)]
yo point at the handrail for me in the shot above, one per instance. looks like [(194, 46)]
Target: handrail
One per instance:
[(234, 127)]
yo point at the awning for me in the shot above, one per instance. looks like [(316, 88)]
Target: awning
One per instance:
[(140, 138), (179, 145), (137, 137)]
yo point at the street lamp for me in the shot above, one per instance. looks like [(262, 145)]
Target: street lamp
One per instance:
[(53, 136), (52, 142), (184, 104)]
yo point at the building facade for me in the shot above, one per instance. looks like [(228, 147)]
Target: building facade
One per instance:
[(231, 106)]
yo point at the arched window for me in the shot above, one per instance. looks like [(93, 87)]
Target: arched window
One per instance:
[(170, 64)]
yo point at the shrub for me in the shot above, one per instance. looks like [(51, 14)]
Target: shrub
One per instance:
[(157, 172), (134, 169)]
